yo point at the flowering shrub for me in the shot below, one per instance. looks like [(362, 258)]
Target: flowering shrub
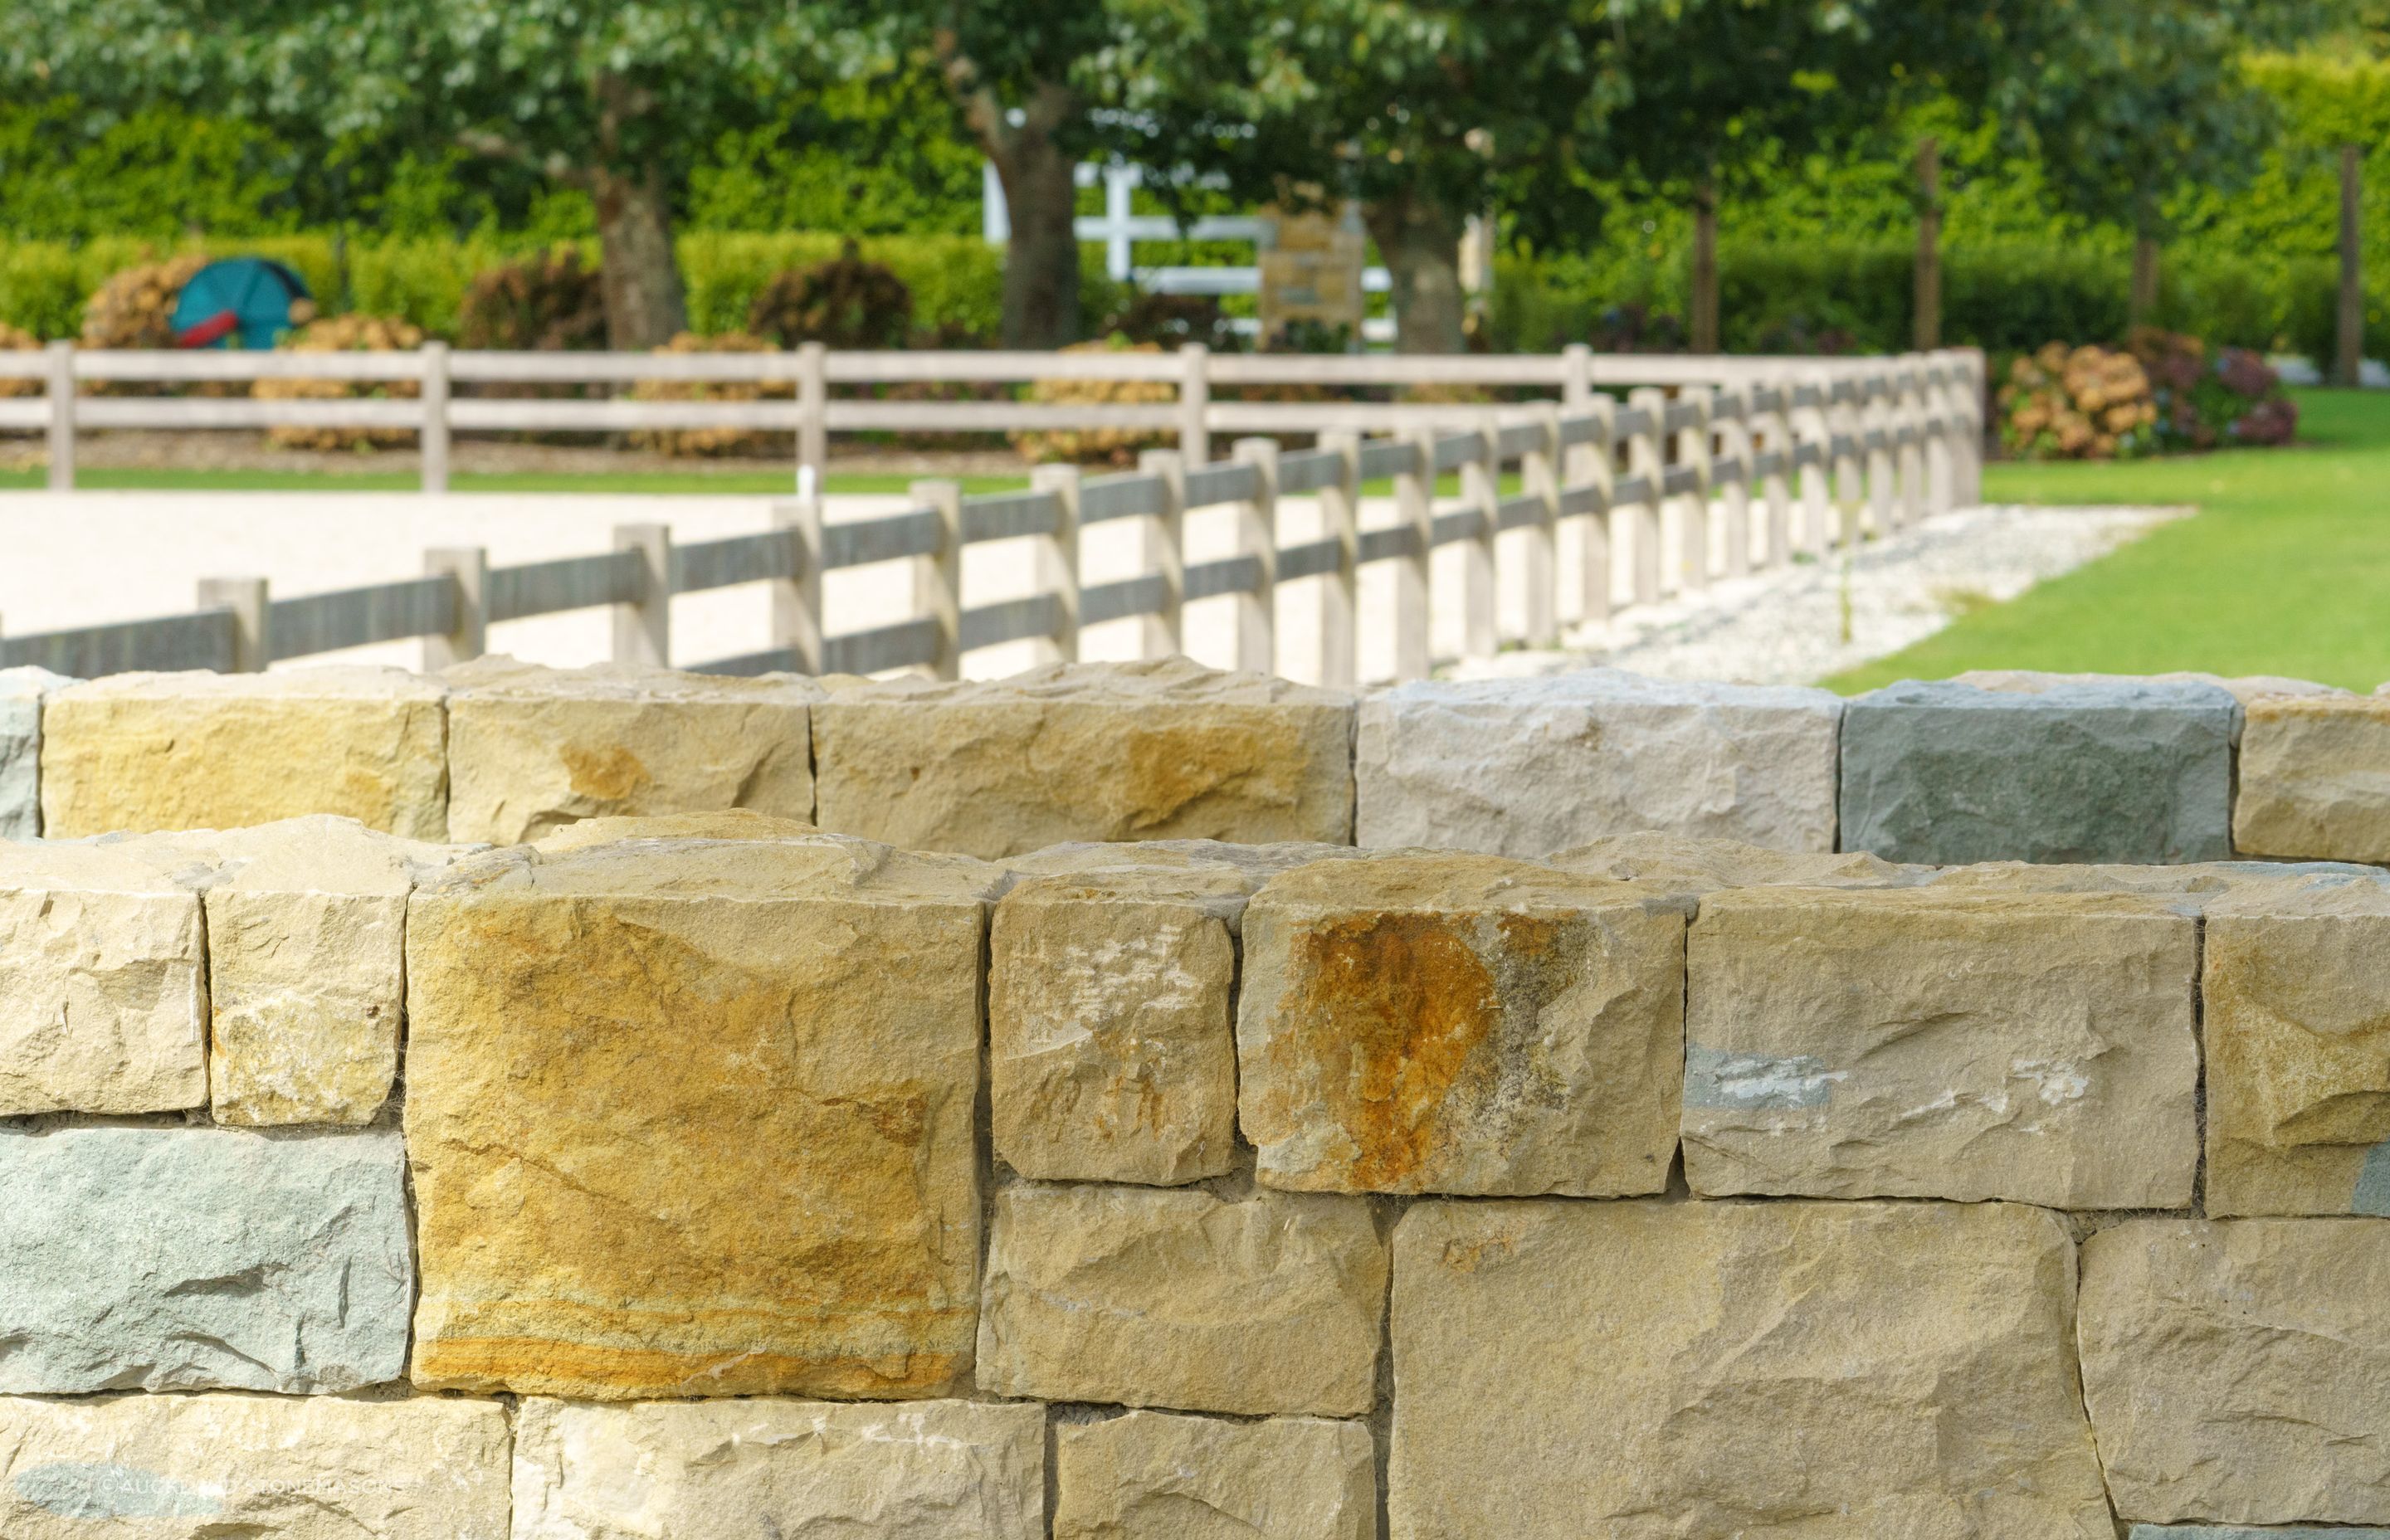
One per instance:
[(2162, 391)]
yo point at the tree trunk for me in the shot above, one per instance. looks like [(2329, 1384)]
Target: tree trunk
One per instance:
[(1041, 262), (1929, 244), (2349, 355), (1420, 245), (638, 269), (2143, 303), (1703, 304)]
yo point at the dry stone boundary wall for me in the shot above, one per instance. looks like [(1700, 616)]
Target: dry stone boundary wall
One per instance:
[(1995, 767), (706, 1174)]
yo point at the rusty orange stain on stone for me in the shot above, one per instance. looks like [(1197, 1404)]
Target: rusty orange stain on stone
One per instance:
[(1396, 1011), (610, 773), (1174, 770)]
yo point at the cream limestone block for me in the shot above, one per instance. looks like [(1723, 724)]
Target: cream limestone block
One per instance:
[(139, 751), (921, 1470), (306, 920), (533, 749), (693, 1116), (1154, 750), (1180, 1299), (23, 690), (1942, 1043), (1153, 1476), (2315, 777), (1113, 1052), (1528, 767), (2238, 1370), (1655, 1370), (218, 1467), (2295, 987), (103, 984), (1674, 864), (1428, 1023)]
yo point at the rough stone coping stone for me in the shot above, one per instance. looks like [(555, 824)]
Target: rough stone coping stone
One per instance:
[(138, 752), (2235, 1531), (532, 749), (694, 1116), (1941, 1043), (1676, 865), (1152, 751), (2315, 777), (2191, 886), (1525, 767), (2295, 991), (2244, 688), (1111, 1029), (734, 823), (1430, 1021), (1568, 1369), (23, 690), (1264, 1304), (103, 982), (258, 1467), (2238, 1370), (146, 1258), (919, 1470), (1154, 1476), (2120, 771)]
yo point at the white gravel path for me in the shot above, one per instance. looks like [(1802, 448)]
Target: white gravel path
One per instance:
[(1804, 624)]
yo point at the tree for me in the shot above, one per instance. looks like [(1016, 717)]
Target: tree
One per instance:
[(614, 99), (2130, 104), (2337, 99), (1424, 113)]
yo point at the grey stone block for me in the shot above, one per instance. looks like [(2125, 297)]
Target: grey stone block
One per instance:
[(21, 749), (2134, 771), (148, 1258)]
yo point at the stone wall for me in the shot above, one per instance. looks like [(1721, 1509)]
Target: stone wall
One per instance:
[(2031, 767), (706, 1174)]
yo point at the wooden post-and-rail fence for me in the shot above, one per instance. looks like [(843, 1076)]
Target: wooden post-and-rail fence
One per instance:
[(1750, 462)]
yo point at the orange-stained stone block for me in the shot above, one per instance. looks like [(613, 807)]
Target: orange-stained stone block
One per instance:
[(693, 1116)]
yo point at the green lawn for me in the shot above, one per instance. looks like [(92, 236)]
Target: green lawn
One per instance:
[(2285, 570)]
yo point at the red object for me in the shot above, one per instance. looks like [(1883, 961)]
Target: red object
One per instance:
[(210, 332)]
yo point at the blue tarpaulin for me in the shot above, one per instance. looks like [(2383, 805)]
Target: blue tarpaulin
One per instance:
[(241, 301)]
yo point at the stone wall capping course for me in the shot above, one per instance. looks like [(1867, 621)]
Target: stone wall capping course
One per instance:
[(145, 751), (1165, 749), (2107, 770), (1936, 1042), (2311, 782), (1434, 1021), (532, 749), (1525, 767), (23, 693)]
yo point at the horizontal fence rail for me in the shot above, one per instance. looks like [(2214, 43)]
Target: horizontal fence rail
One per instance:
[(435, 393), (1786, 458)]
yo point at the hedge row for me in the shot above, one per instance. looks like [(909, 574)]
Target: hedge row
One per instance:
[(1783, 298)]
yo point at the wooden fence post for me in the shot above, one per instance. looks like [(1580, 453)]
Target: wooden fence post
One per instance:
[(1415, 511), (251, 612), (1819, 517), (813, 417), (1693, 449), (1939, 469), (1595, 463), (1195, 404), (1257, 611), (1876, 422), (643, 627), (1772, 434), (1734, 479), (1539, 477), (1481, 490), (432, 441), (1340, 502), (1644, 460), (1846, 423), (61, 392), (1057, 569), (1164, 541), (1974, 410), (1577, 378), (1909, 416), (797, 599), (938, 577), (467, 568)]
